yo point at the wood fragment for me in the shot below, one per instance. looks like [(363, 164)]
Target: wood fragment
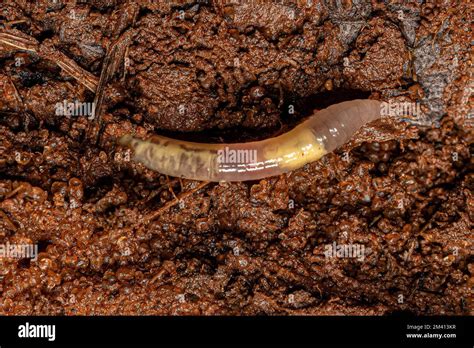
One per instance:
[(155, 192), (49, 52), (112, 61), (70, 67), (21, 104), (20, 188), (153, 215), (18, 42), (10, 225)]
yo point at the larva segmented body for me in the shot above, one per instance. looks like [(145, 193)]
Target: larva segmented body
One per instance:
[(323, 132)]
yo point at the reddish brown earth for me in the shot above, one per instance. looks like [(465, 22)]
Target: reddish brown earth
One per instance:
[(113, 238)]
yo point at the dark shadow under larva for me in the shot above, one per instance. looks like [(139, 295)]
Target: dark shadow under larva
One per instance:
[(321, 133)]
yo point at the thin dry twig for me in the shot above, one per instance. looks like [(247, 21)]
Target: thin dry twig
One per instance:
[(153, 215), (125, 66), (20, 188), (12, 23), (18, 42), (17, 96), (69, 66), (170, 187), (111, 63), (155, 192), (47, 51), (7, 220)]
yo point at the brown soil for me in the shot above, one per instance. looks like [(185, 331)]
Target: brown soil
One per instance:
[(114, 239)]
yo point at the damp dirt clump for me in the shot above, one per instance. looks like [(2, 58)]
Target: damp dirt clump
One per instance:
[(380, 226)]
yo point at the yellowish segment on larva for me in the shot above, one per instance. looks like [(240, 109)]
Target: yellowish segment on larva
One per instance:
[(293, 151), (308, 142)]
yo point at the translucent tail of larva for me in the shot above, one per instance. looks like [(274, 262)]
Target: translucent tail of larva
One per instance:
[(335, 125)]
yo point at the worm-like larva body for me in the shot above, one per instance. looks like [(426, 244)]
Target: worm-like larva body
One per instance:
[(321, 133)]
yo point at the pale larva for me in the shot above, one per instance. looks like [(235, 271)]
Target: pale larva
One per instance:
[(323, 132)]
